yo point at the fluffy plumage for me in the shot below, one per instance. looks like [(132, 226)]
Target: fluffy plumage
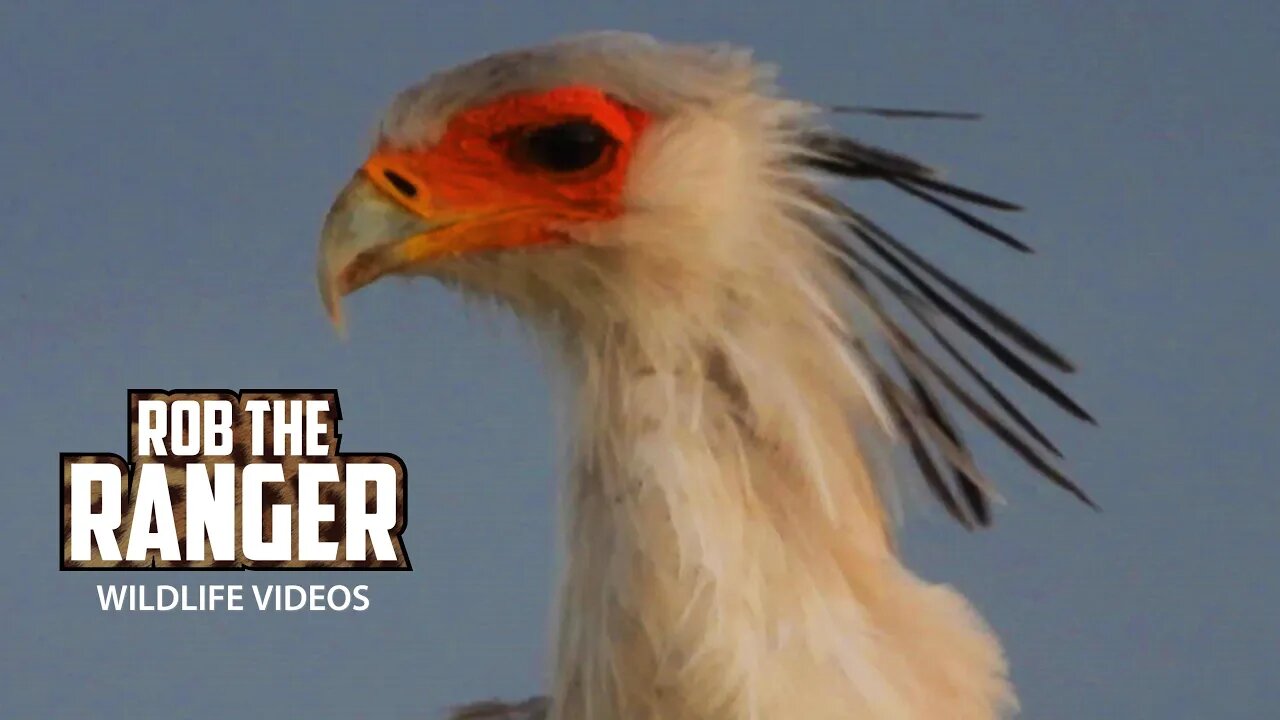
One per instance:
[(733, 366)]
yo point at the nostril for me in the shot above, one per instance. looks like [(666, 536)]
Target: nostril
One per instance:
[(399, 182)]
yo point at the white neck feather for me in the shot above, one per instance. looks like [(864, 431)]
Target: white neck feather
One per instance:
[(727, 554)]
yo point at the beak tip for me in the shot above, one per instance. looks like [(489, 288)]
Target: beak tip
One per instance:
[(333, 309), (330, 296), (339, 325)]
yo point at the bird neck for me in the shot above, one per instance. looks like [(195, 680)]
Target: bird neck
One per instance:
[(727, 555)]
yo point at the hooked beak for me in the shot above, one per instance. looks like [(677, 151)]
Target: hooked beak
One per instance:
[(369, 233)]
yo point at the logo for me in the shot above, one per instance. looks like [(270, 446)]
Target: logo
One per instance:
[(216, 479)]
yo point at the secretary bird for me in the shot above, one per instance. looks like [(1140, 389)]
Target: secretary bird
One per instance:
[(739, 349)]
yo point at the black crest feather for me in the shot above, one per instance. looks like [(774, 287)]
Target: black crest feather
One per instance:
[(883, 272)]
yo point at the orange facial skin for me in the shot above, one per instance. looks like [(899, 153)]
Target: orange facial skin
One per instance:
[(475, 185)]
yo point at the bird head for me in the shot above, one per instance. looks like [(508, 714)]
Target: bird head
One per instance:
[(574, 179)]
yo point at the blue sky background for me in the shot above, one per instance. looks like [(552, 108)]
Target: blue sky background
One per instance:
[(163, 174)]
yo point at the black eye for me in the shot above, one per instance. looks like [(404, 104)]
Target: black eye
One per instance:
[(566, 147)]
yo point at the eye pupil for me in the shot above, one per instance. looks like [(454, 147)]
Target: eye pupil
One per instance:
[(566, 147)]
